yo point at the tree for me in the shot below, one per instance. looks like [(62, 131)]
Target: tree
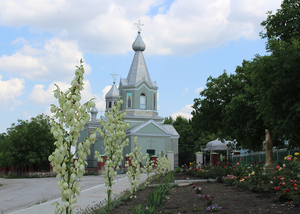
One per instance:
[(168, 120), (276, 77), (186, 145), (227, 109), (27, 143), (284, 24), (277, 85)]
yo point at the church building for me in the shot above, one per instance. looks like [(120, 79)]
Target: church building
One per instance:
[(139, 94)]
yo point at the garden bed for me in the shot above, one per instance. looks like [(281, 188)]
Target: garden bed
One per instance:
[(183, 199)]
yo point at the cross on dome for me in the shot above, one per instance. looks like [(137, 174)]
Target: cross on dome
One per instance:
[(114, 76), (139, 24)]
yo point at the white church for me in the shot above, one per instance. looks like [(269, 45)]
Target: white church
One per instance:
[(139, 94)]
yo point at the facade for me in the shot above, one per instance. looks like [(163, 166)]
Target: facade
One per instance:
[(139, 96)]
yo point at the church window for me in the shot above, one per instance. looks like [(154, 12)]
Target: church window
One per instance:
[(109, 104), (142, 101)]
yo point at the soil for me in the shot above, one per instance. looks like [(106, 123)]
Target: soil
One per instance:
[(183, 199)]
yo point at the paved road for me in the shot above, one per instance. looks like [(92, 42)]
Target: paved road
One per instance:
[(17, 194)]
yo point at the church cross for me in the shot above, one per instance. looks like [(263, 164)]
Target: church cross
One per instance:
[(139, 24), (151, 141), (101, 112), (114, 76)]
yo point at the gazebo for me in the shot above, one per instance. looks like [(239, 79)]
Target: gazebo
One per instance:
[(216, 145)]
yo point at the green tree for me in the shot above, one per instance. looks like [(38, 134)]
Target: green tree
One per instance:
[(276, 81), (284, 24), (276, 77), (227, 109), (168, 120), (186, 144), (27, 143)]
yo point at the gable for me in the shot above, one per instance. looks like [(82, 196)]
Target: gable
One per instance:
[(151, 128)]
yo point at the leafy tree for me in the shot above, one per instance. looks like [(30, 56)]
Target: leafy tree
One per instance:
[(227, 109), (168, 120), (27, 143), (277, 85), (284, 24), (186, 144)]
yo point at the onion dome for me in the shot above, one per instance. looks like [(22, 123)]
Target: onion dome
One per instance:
[(138, 44), (113, 93), (94, 113)]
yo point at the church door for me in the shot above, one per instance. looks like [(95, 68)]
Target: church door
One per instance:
[(151, 152)]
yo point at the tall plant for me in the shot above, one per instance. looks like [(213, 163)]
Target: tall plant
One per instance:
[(134, 172), (163, 165), (71, 117), (148, 168), (113, 133)]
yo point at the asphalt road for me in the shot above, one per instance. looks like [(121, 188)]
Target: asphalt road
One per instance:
[(16, 194)]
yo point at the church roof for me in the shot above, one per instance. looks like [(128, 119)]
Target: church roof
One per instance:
[(138, 71), (168, 130), (171, 130), (113, 93)]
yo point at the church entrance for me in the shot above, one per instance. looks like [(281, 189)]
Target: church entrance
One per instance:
[(151, 152)]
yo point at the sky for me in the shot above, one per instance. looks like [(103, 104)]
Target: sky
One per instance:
[(41, 42)]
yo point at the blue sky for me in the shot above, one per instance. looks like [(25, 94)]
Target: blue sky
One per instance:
[(186, 42)]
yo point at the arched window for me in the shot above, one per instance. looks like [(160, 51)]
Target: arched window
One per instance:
[(142, 101), (109, 104)]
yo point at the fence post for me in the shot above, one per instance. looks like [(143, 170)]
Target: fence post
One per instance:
[(199, 159), (170, 155)]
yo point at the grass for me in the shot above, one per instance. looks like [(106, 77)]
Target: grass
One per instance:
[(39, 201), (101, 208)]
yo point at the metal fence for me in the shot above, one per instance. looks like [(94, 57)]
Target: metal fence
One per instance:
[(249, 158)]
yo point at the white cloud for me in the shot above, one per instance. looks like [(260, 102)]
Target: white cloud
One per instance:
[(186, 27), (198, 90), (40, 95), (185, 91), (9, 91), (56, 60), (184, 112)]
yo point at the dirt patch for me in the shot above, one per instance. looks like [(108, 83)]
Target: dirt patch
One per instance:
[(183, 199)]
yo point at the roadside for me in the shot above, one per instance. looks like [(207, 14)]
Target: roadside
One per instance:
[(17, 194)]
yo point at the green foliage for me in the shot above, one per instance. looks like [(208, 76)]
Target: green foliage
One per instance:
[(168, 120), (227, 109), (278, 91), (27, 143), (186, 141), (284, 24), (262, 93)]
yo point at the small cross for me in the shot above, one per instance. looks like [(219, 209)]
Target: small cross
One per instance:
[(114, 76), (151, 141), (101, 112), (139, 24)]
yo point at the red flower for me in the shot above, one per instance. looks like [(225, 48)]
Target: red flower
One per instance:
[(289, 158), (277, 188), (241, 159), (291, 181), (277, 167), (287, 202), (279, 184), (296, 188), (283, 183), (295, 184)]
